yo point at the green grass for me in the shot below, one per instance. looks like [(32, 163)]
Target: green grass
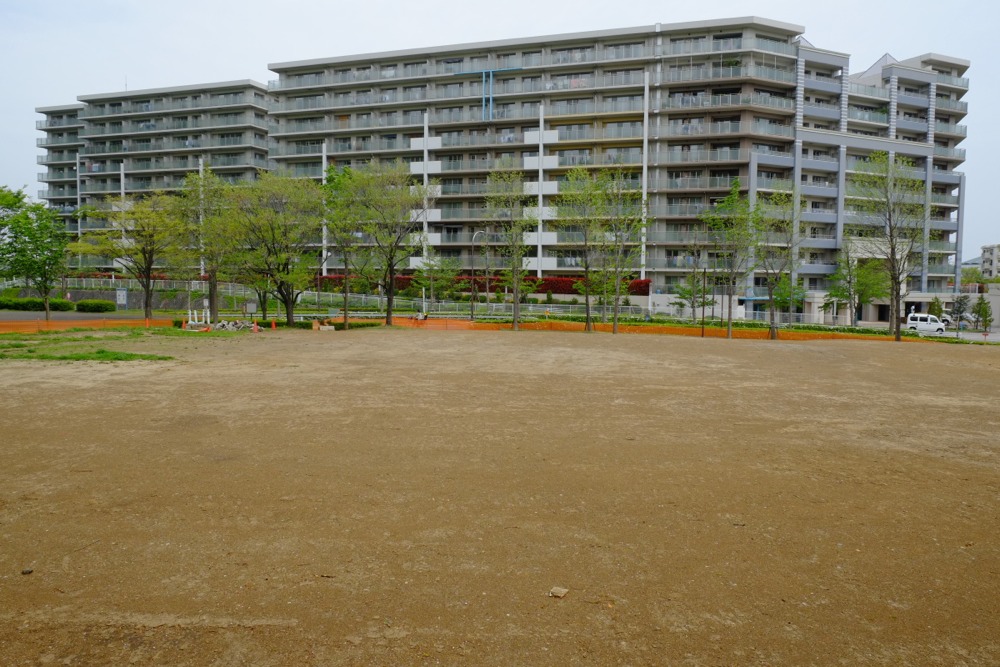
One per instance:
[(75, 345)]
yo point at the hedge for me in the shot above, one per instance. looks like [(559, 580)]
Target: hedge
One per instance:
[(95, 306), (554, 284), (33, 303)]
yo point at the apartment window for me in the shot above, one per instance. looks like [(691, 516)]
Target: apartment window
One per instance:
[(449, 89), (388, 71), (531, 58), (415, 93), (415, 69), (451, 65), (230, 139), (616, 51), (578, 55)]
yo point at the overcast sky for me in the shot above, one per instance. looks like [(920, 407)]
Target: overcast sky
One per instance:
[(55, 50)]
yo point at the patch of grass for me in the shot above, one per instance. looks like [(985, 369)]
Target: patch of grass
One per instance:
[(99, 354), (70, 346)]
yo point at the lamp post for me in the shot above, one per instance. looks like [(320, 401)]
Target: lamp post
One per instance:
[(475, 294)]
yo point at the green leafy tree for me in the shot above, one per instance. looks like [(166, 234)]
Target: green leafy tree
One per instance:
[(936, 308), (777, 246), (505, 204), (343, 228), (384, 201), (625, 217), (437, 274), (959, 309), (733, 222), (33, 243), (693, 293), (141, 235), (856, 282), (891, 200), (277, 222), (789, 296), (210, 243), (982, 313), (972, 275), (581, 207)]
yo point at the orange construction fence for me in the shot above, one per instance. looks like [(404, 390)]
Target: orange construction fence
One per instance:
[(35, 326)]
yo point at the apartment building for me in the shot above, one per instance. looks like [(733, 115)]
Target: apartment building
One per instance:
[(686, 108), (137, 142), (989, 261)]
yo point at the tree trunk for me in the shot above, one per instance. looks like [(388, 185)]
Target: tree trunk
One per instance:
[(147, 300), (48, 313), (729, 315), (288, 300), (588, 323), (390, 295), (773, 333), (213, 297), (346, 290), (516, 308)]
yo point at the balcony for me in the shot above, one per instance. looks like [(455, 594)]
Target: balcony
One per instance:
[(877, 92), (97, 111)]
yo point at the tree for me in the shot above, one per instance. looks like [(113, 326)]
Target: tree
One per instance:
[(210, 238), (972, 275), (776, 246), (891, 200), (141, 235), (625, 217), (936, 308), (505, 204), (693, 293), (581, 206), (958, 311), (386, 204), (343, 229), (277, 223), (733, 221), (982, 312), (437, 274), (789, 296), (856, 282), (33, 243)]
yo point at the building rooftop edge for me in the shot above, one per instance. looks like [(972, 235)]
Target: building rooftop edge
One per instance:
[(73, 106), (789, 28), (174, 89)]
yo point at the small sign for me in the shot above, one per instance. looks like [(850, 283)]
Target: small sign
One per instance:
[(121, 295), (251, 307)]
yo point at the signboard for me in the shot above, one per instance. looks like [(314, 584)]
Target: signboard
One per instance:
[(121, 295)]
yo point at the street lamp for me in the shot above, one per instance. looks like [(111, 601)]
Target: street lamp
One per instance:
[(475, 294)]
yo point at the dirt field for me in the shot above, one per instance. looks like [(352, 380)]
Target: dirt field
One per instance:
[(407, 497)]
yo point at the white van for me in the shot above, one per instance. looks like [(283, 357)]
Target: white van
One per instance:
[(924, 323)]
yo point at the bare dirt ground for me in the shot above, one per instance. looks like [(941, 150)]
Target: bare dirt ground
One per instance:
[(406, 497)]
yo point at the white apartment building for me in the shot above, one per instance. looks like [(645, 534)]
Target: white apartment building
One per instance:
[(132, 143), (989, 261), (686, 108)]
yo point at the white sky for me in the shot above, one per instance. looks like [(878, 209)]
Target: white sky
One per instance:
[(55, 50)]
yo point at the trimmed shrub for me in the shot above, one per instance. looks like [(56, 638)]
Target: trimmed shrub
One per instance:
[(33, 303), (95, 306)]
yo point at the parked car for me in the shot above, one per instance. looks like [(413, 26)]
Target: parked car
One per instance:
[(924, 323), (948, 319)]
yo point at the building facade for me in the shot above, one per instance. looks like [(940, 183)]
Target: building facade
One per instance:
[(989, 261), (686, 108), (128, 144)]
